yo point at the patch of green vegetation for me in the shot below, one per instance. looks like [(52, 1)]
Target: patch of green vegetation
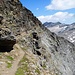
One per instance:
[(24, 48), (57, 74), (23, 67), (9, 65), (44, 65), (37, 71), (19, 71), (30, 34), (24, 62), (10, 58), (24, 59), (1, 53)]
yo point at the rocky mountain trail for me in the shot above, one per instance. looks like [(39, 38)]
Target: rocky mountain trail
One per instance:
[(34, 50), (11, 62)]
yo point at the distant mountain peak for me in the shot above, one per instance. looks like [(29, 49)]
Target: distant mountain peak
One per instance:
[(65, 30), (73, 23), (50, 24), (58, 23)]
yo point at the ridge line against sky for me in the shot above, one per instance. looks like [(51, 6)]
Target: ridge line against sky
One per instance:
[(52, 10)]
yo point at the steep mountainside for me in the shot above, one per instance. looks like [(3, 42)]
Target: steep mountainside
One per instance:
[(36, 50), (64, 30)]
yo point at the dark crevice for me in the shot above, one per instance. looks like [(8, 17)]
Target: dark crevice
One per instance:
[(37, 45), (6, 45), (6, 48), (1, 18), (35, 35), (37, 52)]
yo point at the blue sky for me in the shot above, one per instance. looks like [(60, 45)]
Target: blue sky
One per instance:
[(52, 10)]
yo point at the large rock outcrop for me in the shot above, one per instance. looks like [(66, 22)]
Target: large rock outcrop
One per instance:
[(7, 40)]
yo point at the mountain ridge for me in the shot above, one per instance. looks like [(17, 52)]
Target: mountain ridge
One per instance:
[(64, 30)]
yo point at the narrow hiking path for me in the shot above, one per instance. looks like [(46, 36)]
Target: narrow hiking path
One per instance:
[(20, 53), (13, 69), (15, 63)]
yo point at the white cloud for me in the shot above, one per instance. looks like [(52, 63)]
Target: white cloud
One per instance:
[(64, 17), (61, 4), (37, 8)]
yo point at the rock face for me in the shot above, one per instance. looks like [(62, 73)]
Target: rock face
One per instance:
[(45, 52), (64, 30), (7, 40)]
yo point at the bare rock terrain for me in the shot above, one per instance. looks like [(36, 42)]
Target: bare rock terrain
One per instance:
[(35, 50)]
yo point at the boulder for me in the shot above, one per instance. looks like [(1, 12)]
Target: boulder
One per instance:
[(7, 40)]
